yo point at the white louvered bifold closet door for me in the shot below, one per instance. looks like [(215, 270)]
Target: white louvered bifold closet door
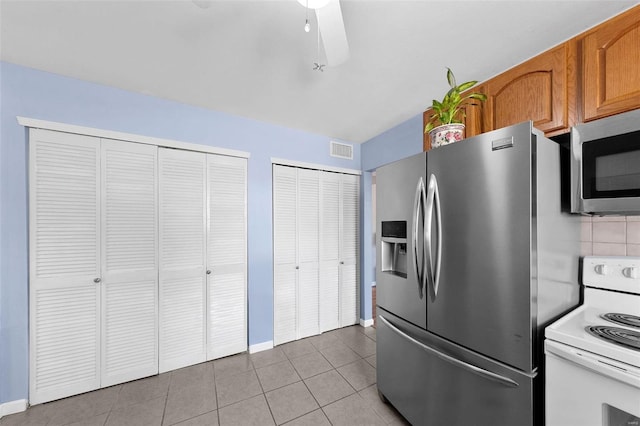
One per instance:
[(349, 250), (129, 262), (64, 245), (284, 254), (227, 256), (182, 293), (329, 251), (307, 303)]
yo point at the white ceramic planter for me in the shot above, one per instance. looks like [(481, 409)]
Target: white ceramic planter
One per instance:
[(446, 134)]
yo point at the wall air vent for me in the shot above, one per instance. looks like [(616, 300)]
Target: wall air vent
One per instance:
[(341, 150)]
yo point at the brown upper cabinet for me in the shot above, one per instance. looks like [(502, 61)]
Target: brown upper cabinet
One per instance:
[(539, 90), (611, 66), (593, 75)]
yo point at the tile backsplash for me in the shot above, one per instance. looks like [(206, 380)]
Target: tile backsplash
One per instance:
[(611, 235)]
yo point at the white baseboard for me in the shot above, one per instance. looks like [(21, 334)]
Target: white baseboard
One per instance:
[(264, 346), (366, 323), (13, 407)]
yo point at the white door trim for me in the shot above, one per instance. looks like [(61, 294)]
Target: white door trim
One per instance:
[(322, 167), (128, 137)]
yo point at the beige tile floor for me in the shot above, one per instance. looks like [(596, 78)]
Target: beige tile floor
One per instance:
[(328, 379)]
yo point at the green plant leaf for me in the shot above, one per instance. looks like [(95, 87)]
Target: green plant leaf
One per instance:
[(450, 78), (478, 96), (451, 92), (448, 110), (428, 127), (467, 85)]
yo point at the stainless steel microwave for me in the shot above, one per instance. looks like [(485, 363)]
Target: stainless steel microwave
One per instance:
[(605, 165)]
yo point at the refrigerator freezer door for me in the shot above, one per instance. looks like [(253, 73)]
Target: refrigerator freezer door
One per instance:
[(484, 296), (434, 382), (402, 370), (401, 186)]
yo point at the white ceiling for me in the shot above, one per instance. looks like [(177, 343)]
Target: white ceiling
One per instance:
[(253, 58)]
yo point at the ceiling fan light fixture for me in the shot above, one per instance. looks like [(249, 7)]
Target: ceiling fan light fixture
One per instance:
[(313, 4)]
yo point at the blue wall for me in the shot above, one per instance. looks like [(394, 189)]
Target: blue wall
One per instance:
[(35, 94), (399, 142)]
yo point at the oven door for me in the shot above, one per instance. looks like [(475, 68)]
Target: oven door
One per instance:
[(589, 390)]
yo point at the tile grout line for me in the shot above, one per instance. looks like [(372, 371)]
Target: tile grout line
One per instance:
[(106, 420), (166, 397), (215, 392), (264, 394)]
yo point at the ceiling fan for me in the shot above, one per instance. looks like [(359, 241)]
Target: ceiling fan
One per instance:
[(331, 28)]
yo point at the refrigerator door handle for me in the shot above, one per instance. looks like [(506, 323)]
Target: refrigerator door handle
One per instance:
[(418, 206), (436, 193), (464, 365), (433, 271)]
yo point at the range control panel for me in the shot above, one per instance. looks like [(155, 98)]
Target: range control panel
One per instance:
[(621, 273)]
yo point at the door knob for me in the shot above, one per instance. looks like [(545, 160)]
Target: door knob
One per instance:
[(342, 263), (208, 271), (96, 280), (297, 267)]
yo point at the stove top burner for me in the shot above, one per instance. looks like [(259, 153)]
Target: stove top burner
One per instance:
[(624, 319), (617, 335)]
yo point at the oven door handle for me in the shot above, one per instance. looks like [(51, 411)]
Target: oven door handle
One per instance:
[(598, 364), (457, 362)]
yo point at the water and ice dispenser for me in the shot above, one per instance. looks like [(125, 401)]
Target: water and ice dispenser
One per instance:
[(394, 248)]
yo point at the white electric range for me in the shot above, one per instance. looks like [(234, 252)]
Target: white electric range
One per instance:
[(592, 354)]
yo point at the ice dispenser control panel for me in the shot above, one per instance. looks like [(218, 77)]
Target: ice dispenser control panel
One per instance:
[(394, 248)]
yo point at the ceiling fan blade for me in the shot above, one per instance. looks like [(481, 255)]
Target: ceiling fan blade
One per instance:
[(334, 37)]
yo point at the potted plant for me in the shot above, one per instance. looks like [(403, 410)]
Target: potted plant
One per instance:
[(447, 114)]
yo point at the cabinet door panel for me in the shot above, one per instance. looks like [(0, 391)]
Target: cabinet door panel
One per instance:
[(284, 301), (64, 244), (284, 253), (182, 295), (329, 251), (349, 251), (227, 256), (308, 312), (611, 54), (535, 90), (308, 253), (129, 261)]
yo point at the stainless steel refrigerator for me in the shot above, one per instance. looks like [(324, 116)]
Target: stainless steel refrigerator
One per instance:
[(476, 254)]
